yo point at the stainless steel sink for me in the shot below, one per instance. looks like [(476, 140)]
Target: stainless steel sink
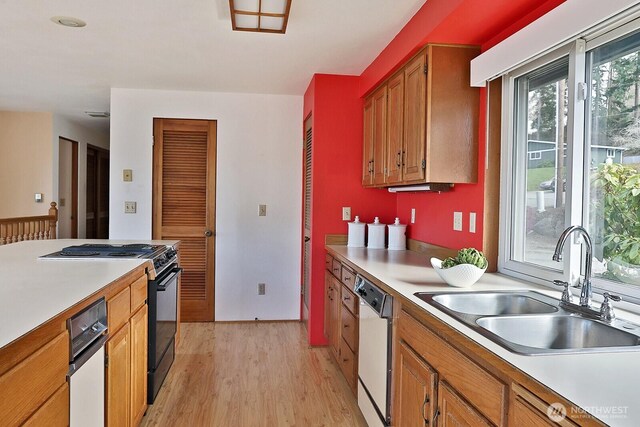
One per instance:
[(494, 303), (531, 323), (553, 332)]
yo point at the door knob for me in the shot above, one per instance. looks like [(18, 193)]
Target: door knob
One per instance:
[(208, 233)]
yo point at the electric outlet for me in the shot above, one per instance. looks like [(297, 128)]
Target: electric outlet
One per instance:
[(346, 214), (129, 207), (261, 288), (262, 210), (457, 221), (472, 222), (413, 215), (127, 175)]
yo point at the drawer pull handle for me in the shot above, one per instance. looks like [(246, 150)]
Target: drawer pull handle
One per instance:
[(347, 298), (424, 404), (346, 326)]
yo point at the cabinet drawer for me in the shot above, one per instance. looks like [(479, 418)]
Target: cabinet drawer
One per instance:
[(31, 383), (350, 300), (119, 309), (348, 277), (328, 262), (472, 382), (349, 329), (347, 362), (138, 293), (55, 411), (336, 267)]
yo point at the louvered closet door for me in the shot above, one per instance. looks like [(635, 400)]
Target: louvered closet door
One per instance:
[(184, 168), (307, 213)]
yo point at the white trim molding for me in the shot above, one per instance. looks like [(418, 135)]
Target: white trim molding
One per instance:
[(570, 20)]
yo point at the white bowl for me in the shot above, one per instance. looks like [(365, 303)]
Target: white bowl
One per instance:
[(460, 276)]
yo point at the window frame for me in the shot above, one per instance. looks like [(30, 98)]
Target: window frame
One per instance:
[(578, 146)]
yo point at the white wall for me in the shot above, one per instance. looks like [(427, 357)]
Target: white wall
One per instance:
[(259, 152), (62, 127)]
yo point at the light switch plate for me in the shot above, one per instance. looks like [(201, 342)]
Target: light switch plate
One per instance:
[(262, 210), (127, 175), (457, 221), (472, 222), (38, 197), (346, 214), (130, 207)]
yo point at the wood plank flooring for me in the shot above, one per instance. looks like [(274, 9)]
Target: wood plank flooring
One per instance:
[(252, 374)]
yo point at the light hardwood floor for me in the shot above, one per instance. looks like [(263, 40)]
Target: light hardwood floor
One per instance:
[(252, 374)]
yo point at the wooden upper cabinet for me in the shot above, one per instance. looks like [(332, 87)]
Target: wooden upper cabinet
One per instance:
[(395, 117), (430, 119), (452, 115), (379, 135), (367, 156), (414, 119)]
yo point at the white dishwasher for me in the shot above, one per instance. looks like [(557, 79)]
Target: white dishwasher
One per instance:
[(88, 333), (374, 353)]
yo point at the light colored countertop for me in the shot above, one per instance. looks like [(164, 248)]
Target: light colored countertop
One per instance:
[(34, 290), (604, 384)]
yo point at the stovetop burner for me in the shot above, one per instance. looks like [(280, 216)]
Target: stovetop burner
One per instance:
[(123, 254), (79, 253)]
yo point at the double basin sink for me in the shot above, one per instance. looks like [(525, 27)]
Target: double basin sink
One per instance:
[(531, 323)]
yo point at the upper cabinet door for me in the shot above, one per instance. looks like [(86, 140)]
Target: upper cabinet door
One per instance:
[(415, 78), (395, 115), (367, 157), (379, 134)]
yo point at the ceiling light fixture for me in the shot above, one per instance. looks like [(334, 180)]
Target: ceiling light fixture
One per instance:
[(263, 16), (98, 114), (68, 21)]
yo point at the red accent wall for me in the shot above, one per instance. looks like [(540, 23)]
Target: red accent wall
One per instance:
[(336, 111), (335, 103)]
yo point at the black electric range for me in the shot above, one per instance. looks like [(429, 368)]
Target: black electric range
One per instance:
[(162, 256)]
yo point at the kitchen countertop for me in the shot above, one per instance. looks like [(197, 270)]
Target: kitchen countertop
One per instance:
[(34, 290), (604, 384)]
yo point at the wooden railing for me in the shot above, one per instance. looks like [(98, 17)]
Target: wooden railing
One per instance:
[(29, 227)]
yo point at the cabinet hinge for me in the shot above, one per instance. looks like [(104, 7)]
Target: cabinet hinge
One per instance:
[(424, 164), (425, 68), (106, 360)]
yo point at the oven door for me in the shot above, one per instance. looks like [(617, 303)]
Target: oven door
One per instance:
[(163, 313)]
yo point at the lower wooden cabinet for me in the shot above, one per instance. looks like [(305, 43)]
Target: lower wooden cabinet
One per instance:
[(454, 411), (139, 340), (118, 377), (527, 409), (55, 411), (33, 381), (341, 319), (415, 398), (126, 367)]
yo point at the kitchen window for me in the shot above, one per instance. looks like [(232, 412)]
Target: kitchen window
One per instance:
[(579, 107)]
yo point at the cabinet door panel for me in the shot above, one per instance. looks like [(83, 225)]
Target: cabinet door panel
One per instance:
[(415, 122), (379, 134), (367, 156), (455, 411), (139, 365), (395, 128), (118, 378), (415, 392)]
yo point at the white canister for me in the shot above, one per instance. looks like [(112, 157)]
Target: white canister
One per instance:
[(376, 234), (355, 239), (397, 236)]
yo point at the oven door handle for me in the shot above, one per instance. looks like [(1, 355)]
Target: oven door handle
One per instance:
[(162, 286)]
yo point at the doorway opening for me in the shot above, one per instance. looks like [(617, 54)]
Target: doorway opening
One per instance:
[(97, 197), (67, 189)]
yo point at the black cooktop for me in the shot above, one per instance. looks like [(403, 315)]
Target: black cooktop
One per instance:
[(101, 250)]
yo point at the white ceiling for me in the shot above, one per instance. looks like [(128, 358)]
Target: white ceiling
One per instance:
[(181, 45)]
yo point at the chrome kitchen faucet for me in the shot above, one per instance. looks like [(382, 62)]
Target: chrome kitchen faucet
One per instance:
[(586, 293)]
